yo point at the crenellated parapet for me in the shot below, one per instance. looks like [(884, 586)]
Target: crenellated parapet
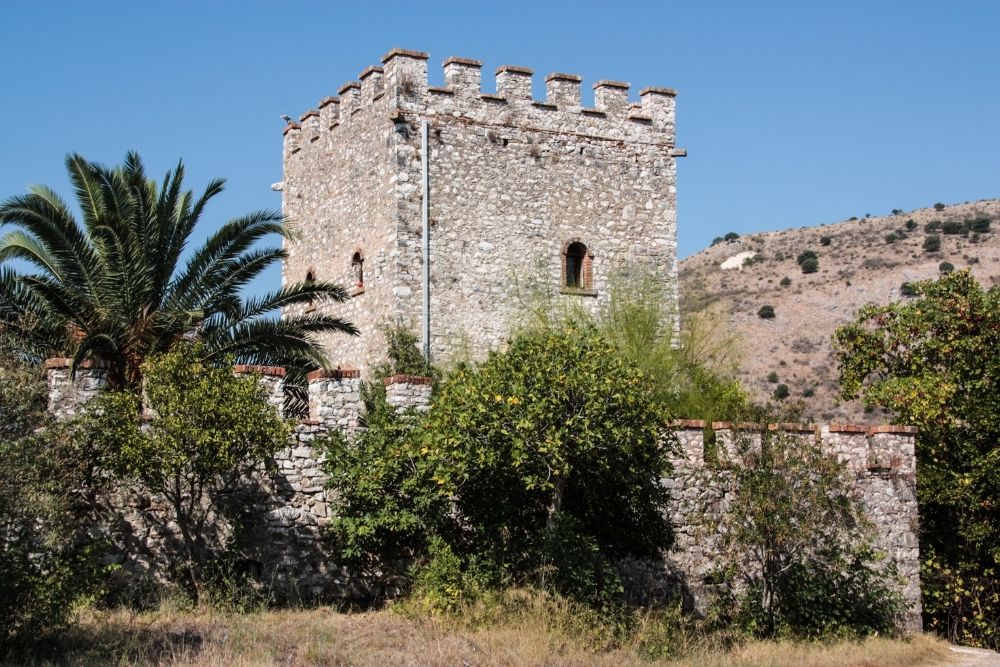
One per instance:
[(399, 88)]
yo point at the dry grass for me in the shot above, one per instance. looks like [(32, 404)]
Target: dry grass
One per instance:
[(536, 634)]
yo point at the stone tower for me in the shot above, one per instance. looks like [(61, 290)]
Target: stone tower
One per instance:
[(518, 191)]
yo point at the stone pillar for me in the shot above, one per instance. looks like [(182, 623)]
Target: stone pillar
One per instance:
[(611, 96), (408, 391), (335, 399), (271, 380), (463, 76), (563, 90), (514, 83), (68, 395)]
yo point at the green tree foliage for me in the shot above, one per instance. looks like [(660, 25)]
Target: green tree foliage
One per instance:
[(114, 287), (781, 392), (766, 312), (810, 265), (785, 282), (731, 236), (205, 429), (49, 558), (932, 243), (693, 370), (555, 436), (825, 240), (539, 466), (791, 532), (946, 267), (933, 363)]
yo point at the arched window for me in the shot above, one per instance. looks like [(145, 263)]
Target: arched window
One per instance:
[(577, 265), (358, 269)]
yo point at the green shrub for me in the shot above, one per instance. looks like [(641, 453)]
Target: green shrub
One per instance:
[(946, 267), (785, 282), (810, 265), (211, 429), (731, 236), (49, 553), (799, 545), (891, 237), (954, 227), (808, 392), (781, 392), (897, 211), (540, 465), (911, 224), (766, 312), (980, 225), (933, 226), (938, 206), (805, 255), (772, 377), (932, 243), (825, 240), (908, 289), (717, 240), (753, 259)]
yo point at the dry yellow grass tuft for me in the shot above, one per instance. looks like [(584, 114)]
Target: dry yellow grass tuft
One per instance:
[(535, 634)]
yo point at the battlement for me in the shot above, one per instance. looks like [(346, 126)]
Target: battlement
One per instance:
[(399, 90)]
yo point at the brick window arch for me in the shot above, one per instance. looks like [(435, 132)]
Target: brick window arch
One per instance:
[(577, 266)]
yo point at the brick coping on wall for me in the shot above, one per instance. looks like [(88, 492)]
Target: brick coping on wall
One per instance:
[(269, 371), (793, 427), (334, 374), (66, 362), (402, 378)]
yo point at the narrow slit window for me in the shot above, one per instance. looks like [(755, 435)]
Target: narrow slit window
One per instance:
[(358, 269)]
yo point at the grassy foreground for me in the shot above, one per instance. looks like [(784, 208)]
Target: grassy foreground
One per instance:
[(536, 634)]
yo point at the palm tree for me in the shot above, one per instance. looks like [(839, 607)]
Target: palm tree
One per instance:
[(115, 288)]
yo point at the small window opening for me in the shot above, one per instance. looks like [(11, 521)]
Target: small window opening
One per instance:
[(358, 269), (310, 277), (576, 254)]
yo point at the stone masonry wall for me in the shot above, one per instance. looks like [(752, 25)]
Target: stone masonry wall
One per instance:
[(880, 465), (67, 395), (285, 508), (513, 181)]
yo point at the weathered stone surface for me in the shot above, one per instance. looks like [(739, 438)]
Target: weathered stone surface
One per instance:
[(512, 183)]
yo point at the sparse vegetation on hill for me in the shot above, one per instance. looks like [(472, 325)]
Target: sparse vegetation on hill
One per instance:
[(859, 267)]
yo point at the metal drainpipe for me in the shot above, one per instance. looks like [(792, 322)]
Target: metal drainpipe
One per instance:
[(426, 229)]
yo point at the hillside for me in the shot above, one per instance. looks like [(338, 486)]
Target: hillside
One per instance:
[(857, 266)]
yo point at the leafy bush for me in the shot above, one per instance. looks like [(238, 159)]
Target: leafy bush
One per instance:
[(541, 465), (50, 560), (717, 240), (791, 534), (946, 267), (753, 259), (766, 312), (910, 224), (805, 256), (897, 211), (954, 227), (810, 265), (934, 363), (825, 240), (908, 289), (731, 236), (781, 392), (772, 376), (210, 428), (932, 243), (891, 237), (939, 206), (933, 226), (785, 282), (980, 225), (808, 392)]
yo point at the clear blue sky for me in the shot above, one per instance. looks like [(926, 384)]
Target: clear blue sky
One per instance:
[(793, 113)]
